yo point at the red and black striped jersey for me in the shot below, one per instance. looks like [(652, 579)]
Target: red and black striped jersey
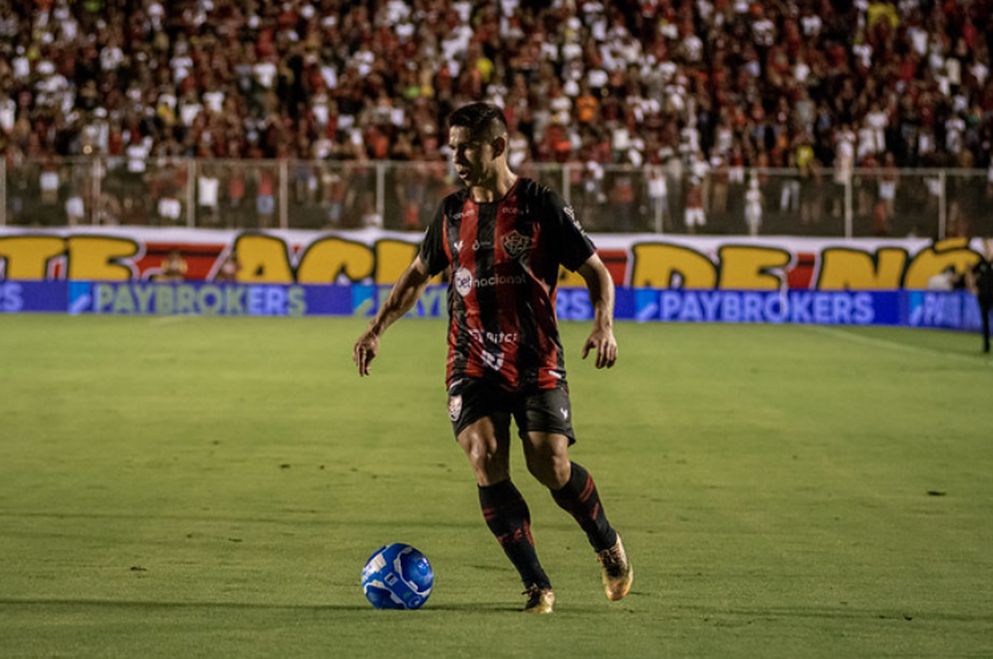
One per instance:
[(503, 260)]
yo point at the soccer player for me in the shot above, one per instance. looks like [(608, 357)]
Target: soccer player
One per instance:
[(502, 239), (981, 283)]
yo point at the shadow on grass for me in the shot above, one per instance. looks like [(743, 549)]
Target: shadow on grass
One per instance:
[(467, 607)]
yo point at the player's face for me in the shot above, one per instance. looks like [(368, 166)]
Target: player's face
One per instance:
[(471, 157)]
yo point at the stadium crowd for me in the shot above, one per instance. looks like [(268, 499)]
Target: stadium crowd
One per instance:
[(779, 84)]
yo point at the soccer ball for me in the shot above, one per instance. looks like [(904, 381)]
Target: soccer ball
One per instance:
[(397, 576)]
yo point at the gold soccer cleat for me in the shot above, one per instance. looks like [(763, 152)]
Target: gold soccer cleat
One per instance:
[(540, 600), (616, 571)]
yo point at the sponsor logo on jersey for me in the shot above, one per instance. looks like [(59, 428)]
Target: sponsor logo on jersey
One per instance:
[(493, 337), (516, 243), (455, 407), (463, 281), (495, 280)]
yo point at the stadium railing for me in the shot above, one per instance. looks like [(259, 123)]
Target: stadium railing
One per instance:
[(327, 195)]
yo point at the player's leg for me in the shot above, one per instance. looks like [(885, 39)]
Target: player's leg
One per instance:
[(572, 487), (486, 443), (985, 308), (546, 431)]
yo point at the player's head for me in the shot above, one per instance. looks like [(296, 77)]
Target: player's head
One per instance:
[(477, 136)]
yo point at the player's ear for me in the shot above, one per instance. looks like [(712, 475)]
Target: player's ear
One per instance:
[(499, 145)]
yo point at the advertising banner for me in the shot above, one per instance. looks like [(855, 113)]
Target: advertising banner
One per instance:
[(37, 296), (950, 310), (373, 256)]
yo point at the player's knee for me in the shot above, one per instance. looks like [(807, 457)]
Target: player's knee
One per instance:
[(487, 464), (550, 468)]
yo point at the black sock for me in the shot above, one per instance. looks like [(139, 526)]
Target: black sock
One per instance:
[(579, 497), (507, 515)]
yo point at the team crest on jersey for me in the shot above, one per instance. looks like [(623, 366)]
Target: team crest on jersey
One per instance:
[(455, 407), (493, 360), (516, 243), (463, 281)]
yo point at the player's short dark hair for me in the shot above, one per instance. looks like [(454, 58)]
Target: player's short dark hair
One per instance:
[(484, 120)]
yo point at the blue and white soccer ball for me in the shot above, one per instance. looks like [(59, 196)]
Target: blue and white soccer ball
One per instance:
[(397, 576)]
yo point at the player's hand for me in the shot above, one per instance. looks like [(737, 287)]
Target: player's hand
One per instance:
[(602, 340), (365, 351)]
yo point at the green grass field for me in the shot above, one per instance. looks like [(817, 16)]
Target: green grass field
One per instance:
[(212, 487)]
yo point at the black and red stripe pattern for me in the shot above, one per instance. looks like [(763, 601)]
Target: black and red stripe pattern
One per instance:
[(508, 518), (580, 499), (503, 259)]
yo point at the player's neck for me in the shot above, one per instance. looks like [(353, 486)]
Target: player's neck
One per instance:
[(495, 188)]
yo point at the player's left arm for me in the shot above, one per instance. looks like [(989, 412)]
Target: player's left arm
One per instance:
[(601, 288), (970, 280)]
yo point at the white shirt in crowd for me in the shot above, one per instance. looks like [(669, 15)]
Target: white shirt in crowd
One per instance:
[(867, 142), (49, 181), (265, 74), (214, 101), (188, 112), (918, 40), (137, 153), (811, 25), (111, 58), (863, 52), (693, 47), (8, 114), (207, 187), (764, 32), (954, 128)]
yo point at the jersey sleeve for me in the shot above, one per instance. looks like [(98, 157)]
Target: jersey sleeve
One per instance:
[(433, 246), (571, 244)]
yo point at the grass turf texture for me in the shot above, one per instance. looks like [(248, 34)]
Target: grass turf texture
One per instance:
[(208, 487)]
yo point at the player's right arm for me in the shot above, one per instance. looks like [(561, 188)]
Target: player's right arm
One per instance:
[(402, 297), (431, 260)]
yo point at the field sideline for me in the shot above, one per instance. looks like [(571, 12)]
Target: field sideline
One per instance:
[(212, 487)]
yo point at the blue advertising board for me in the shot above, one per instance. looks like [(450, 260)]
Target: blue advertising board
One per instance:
[(37, 296), (206, 299), (950, 310)]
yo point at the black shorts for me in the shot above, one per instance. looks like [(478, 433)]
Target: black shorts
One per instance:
[(538, 410)]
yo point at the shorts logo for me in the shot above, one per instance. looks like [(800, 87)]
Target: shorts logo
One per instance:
[(565, 413), (455, 407), (463, 281), (515, 244), (494, 361)]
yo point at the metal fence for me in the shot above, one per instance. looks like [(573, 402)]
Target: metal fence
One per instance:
[(249, 194)]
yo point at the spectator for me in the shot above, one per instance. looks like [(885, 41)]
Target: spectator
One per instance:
[(245, 79), (228, 272), (753, 207), (173, 268)]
